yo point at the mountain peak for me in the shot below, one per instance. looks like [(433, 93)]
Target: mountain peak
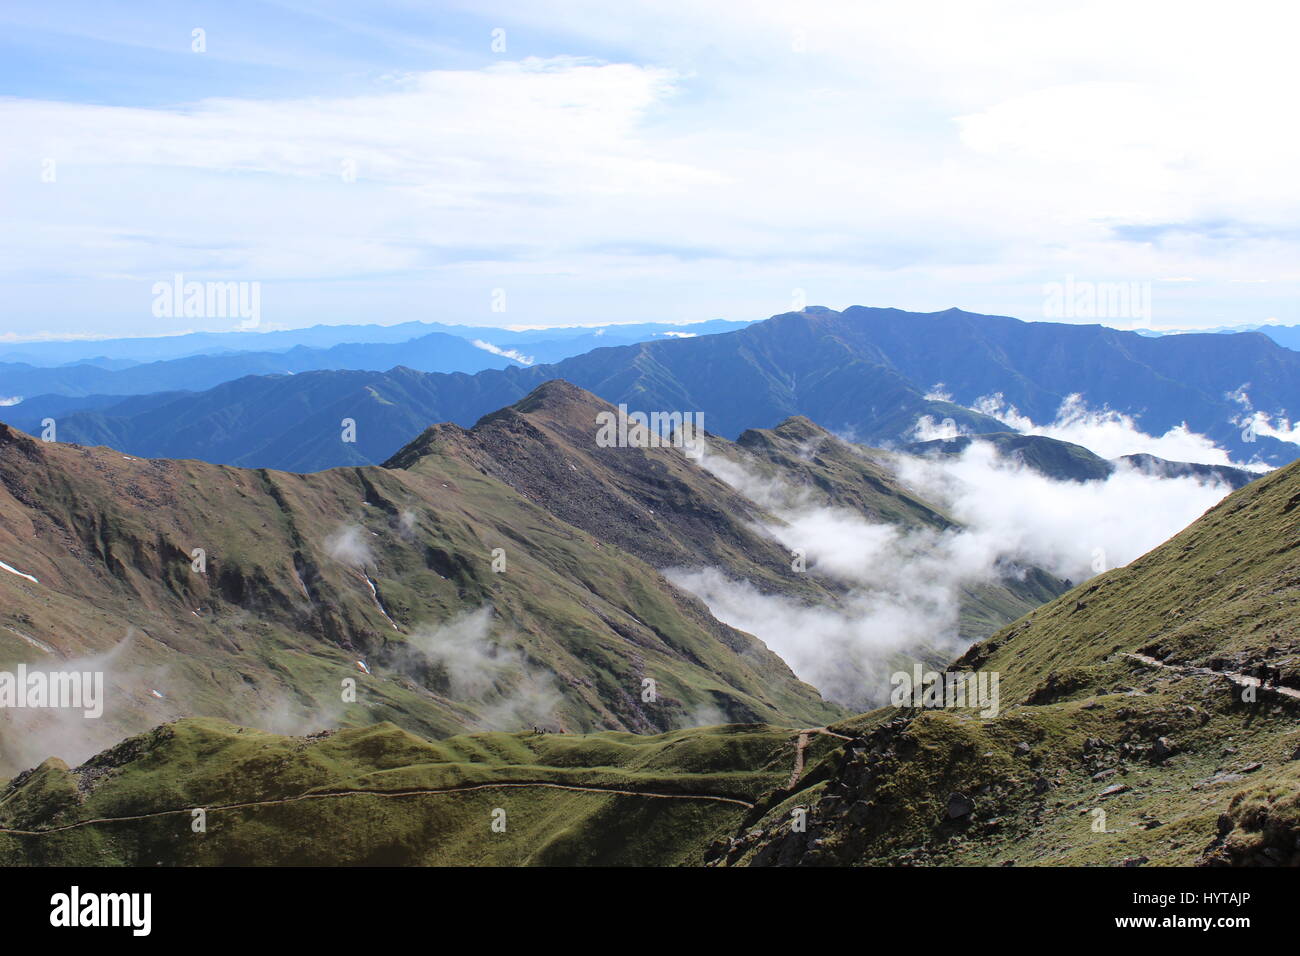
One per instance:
[(797, 428), (12, 436), (801, 425), (554, 402), (556, 394)]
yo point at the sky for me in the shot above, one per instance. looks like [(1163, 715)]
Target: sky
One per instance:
[(560, 163)]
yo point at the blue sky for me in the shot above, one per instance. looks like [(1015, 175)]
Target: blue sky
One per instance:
[(666, 161)]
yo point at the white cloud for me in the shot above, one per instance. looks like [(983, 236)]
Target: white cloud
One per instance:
[(1109, 433), (1273, 425), (348, 545), (938, 393), (513, 354), (904, 588), (1276, 426), (928, 428), (914, 155), (30, 735), (508, 692), (1013, 511)]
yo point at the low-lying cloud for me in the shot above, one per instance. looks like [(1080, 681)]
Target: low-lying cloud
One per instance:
[(350, 546), (1108, 433), (131, 704), (904, 588), (507, 691), (1070, 528), (1259, 422)]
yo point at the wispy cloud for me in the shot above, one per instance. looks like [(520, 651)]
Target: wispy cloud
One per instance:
[(905, 587), (1271, 424), (513, 354), (1105, 432), (479, 668)]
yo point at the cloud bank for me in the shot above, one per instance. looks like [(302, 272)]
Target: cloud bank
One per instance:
[(904, 588), (1108, 433)]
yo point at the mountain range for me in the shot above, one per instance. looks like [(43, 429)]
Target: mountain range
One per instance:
[(1066, 461), (199, 361), (1287, 336), (1148, 717), (401, 636), (509, 573), (867, 373)]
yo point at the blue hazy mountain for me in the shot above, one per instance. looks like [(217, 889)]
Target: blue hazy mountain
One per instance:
[(863, 372), (1287, 336), (39, 370), (548, 345), (435, 352)]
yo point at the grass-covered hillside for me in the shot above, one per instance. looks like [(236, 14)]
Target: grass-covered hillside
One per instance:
[(501, 577), (453, 601), (1150, 716), (381, 796)]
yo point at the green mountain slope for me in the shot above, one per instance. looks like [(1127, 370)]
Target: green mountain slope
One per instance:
[(380, 796), (308, 575), (384, 576), (1165, 694), (1150, 716), (651, 502)]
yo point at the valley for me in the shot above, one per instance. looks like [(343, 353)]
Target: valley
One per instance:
[(518, 574), (1141, 724)]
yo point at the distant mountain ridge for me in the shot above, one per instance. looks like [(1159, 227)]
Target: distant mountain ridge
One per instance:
[(864, 372), (1287, 336), (546, 344), (435, 352), (1066, 461), (201, 361)]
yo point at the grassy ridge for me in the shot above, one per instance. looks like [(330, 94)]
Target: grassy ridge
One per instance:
[(348, 797), (1123, 696), (1124, 738), (279, 619)]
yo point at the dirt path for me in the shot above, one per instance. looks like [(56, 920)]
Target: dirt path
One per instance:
[(1241, 680), (800, 745), (464, 788)]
